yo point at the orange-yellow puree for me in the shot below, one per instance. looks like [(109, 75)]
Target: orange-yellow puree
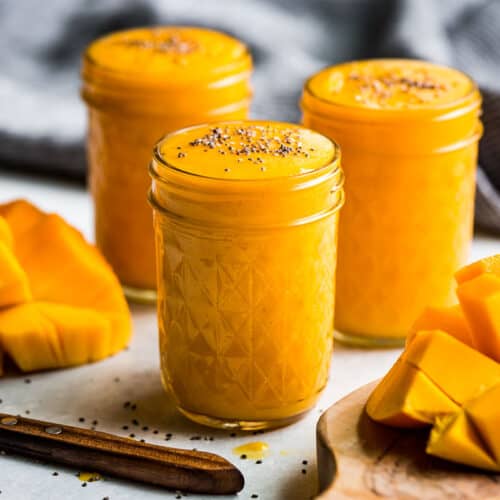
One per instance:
[(408, 132), (246, 273), (141, 84)]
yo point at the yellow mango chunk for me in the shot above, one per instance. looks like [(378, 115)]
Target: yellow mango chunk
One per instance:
[(29, 338), (454, 438), (406, 397), (487, 265), (14, 286), (484, 412), (77, 299), (448, 319), (480, 301), (6, 234), (443, 359), (41, 335)]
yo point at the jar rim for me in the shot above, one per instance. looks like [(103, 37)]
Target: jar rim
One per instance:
[(395, 113), (242, 64), (334, 161)]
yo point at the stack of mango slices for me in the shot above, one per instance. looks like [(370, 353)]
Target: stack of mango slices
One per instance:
[(448, 377), (60, 303)]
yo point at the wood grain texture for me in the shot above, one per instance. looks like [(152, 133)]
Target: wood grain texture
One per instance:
[(189, 471), (358, 458)]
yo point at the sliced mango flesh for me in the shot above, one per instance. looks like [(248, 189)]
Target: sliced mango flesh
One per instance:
[(6, 236), (480, 301), (455, 438), (14, 286), (76, 312), (448, 319), (406, 397), (443, 359), (487, 265), (484, 413)]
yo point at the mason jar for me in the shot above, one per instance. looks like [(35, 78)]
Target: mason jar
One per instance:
[(140, 84), (409, 133), (245, 218)]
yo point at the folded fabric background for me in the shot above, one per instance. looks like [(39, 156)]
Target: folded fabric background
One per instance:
[(42, 121)]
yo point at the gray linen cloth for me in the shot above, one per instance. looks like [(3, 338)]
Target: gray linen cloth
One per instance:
[(42, 121)]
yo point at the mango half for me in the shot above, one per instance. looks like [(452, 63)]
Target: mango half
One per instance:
[(425, 383), (64, 305)]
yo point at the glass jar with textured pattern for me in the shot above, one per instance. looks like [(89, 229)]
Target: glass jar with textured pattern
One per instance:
[(140, 84), (245, 218), (409, 132)]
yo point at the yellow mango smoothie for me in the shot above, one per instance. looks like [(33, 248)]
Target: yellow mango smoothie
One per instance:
[(245, 217), (409, 132), (140, 84)]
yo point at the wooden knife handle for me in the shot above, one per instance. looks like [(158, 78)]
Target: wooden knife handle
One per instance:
[(184, 470)]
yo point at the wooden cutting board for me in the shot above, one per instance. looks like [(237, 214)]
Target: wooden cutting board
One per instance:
[(358, 458)]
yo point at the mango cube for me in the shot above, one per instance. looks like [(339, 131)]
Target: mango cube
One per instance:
[(480, 301), (448, 319), (406, 397)]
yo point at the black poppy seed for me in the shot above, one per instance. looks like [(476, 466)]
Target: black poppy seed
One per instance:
[(243, 457), (304, 462), (195, 438), (304, 471), (132, 435), (258, 462), (105, 498), (117, 379), (135, 421), (83, 485), (179, 147), (181, 155), (133, 407), (145, 428), (126, 404), (169, 434), (255, 496), (233, 434), (143, 440), (55, 473), (27, 381), (27, 412), (81, 419), (155, 431), (1, 401), (168, 438), (95, 422)]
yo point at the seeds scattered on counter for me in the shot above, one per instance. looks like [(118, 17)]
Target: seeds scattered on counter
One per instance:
[(125, 427), (27, 381), (304, 462), (55, 473), (243, 457), (81, 419), (304, 471), (258, 462)]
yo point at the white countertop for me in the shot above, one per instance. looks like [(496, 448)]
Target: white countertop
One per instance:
[(98, 392)]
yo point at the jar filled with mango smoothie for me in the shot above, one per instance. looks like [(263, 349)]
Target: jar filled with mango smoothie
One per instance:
[(409, 132), (245, 217), (140, 84)]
